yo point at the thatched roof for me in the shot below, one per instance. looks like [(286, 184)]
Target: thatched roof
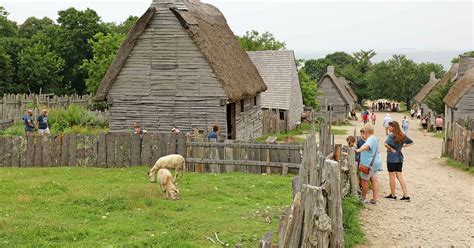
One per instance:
[(349, 88), (346, 96), (278, 70), (460, 88), (427, 88), (452, 74), (208, 28)]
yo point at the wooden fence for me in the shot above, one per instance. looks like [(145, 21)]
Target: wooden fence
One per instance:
[(458, 143), (14, 106), (271, 121)]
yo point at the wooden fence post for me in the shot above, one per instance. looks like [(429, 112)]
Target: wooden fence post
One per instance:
[(214, 154), (353, 170), (266, 241), (335, 203), (316, 224)]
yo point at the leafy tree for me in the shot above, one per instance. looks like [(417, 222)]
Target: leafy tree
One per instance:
[(104, 48), (123, 27), (253, 41), (33, 25), (435, 98), (309, 90), (39, 68), (8, 28), (340, 59), (6, 70), (455, 60), (316, 68)]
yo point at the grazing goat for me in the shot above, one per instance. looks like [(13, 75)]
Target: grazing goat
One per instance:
[(167, 185), (172, 161)]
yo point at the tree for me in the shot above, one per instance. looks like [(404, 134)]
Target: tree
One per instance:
[(6, 71), (309, 90), (33, 25), (7, 28), (435, 98), (104, 48), (39, 68), (123, 27), (253, 41), (316, 68)]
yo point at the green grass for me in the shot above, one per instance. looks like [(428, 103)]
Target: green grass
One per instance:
[(456, 164), (93, 207), (353, 233), (439, 135), (304, 128)]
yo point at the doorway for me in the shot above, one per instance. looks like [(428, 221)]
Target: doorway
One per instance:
[(231, 128)]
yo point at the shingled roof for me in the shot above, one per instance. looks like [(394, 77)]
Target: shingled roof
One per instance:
[(208, 28), (460, 88), (427, 88), (278, 70)]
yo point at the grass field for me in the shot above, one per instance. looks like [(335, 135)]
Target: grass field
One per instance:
[(456, 164), (92, 207)]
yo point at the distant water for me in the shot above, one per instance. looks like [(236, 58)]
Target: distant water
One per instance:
[(443, 57)]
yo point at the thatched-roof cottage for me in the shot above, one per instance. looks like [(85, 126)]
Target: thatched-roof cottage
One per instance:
[(347, 86), (426, 90), (180, 65), (278, 70), (460, 98), (336, 94)]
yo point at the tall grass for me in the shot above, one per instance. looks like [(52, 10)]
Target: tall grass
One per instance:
[(353, 233)]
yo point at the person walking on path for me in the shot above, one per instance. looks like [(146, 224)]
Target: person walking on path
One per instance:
[(42, 119), (424, 124), (387, 119), (394, 144), (439, 124), (373, 118), (365, 116), (370, 157), (412, 113), (28, 121), (405, 125)]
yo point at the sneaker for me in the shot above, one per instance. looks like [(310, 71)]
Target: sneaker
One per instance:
[(392, 197), (373, 202), (405, 198)]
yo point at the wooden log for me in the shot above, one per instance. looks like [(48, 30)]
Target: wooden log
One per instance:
[(266, 241), (292, 233), (312, 160), (55, 151), (110, 140), (296, 185), (80, 150), (30, 151), (119, 150), (8, 151), (38, 146), (145, 155), (91, 150), (46, 158), (158, 146), (3, 150), (126, 146), (135, 149), (15, 152), (335, 203), (102, 150), (64, 150), (316, 224), (72, 150)]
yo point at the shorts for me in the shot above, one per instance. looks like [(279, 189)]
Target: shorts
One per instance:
[(439, 128), (425, 126), (394, 167), (412, 115), (372, 173), (44, 131)]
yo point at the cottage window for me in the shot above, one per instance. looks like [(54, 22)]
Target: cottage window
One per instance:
[(241, 105), (282, 115), (254, 101)]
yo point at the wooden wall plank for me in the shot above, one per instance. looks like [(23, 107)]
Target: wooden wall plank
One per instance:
[(102, 150), (46, 153), (2, 150), (119, 150), (64, 150), (8, 152), (80, 150), (38, 146), (72, 149), (127, 139), (146, 156), (135, 149), (15, 153), (30, 151), (110, 140)]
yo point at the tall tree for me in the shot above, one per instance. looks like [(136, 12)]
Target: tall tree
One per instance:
[(357, 73), (39, 68), (8, 28), (33, 25), (104, 48), (6, 71), (123, 27), (309, 90), (254, 41), (316, 68)]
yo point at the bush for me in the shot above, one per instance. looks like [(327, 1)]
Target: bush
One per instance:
[(73, 118), (15, 130)]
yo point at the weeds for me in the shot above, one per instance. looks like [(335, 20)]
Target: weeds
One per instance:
[(353, 234)]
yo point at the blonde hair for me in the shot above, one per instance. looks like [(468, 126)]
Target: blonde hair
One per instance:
[(368, 128)]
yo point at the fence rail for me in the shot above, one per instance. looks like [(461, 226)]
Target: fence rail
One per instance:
[(459, 143)]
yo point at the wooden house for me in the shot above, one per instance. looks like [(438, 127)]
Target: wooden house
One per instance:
[(335, 93), (279, 72), (425, 91), (459, 102), (181, 65)]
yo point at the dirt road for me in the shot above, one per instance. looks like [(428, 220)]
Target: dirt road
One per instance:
[(441, 211)]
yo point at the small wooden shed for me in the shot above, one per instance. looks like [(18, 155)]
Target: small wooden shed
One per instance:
[(279, 72), (336, 94), (181, 65), (460, 99)]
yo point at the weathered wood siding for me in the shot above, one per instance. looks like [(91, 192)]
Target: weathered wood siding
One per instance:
[(166, 81), (465, 106), (329, 92), (249, 122), (296, 102)]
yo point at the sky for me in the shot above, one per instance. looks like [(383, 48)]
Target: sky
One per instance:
[(433, 31)]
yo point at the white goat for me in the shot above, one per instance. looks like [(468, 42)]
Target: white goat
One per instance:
[(172, 161), (167, 185)]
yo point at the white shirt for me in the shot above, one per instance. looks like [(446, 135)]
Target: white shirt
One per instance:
[(386, 120)]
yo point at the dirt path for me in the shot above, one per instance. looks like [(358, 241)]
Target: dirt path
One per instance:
[(441, 212)]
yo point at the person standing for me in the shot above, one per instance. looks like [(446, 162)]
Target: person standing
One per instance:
[(214, 134), (387, 119), (373, 117), (405, 125), (137, 129), (439, 124), (370, 157), (412, 113), (43, 127), (394, 144), (28, 122), (424, 124)]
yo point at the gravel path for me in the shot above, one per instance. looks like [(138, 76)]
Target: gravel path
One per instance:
[(441, 211)]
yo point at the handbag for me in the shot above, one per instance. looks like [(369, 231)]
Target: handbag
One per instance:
[(366, 169)]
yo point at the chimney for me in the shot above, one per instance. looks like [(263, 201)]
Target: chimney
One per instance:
[(465, 63), (432, 76), (331, 69)]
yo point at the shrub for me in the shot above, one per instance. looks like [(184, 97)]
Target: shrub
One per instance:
[(15, 130), (73, 117)]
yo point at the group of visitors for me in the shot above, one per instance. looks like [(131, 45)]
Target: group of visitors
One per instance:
[(425, 120), (41, 123), (385, 106), (370, 162)]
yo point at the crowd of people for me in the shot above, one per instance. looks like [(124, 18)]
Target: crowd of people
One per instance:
[(385, 106)]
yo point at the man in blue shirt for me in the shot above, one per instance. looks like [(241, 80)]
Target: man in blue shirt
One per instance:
[(28, 121), (43, 123), (214, 134)]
